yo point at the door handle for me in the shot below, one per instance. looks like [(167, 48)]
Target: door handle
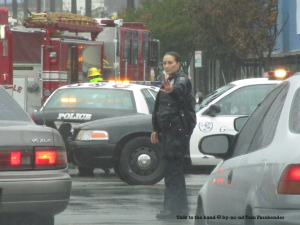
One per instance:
[(229, 177)]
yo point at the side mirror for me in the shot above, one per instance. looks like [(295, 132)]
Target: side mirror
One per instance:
[(239, 122), (199, 97), (217, 145), (213, 110)]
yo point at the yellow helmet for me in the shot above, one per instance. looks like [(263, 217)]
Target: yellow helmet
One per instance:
[(94, 72)]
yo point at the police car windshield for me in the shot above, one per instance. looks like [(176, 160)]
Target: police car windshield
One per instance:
[(92, 98), (10, 109), (212, 96)]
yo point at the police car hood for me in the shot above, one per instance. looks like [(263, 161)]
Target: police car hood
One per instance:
[(133, 120), (17, 133)]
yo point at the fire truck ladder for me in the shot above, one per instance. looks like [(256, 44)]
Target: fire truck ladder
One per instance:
[(64, 22)]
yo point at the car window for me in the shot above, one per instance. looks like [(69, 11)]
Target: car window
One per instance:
[(92, 98), (248, 131), (294, 121), (266, 131), (244, 100), (154, 93), (149, 99), (212, 96), (10, 109)]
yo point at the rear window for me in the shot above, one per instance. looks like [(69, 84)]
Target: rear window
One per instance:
[(10, 109), (92, 98)]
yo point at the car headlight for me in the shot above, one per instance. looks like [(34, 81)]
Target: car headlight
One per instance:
[(87, 135)]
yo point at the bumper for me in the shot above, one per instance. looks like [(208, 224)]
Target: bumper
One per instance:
[(96, 154), (276, 216), (43, 192)]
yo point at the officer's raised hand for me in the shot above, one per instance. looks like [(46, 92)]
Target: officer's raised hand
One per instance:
[(168, 87)]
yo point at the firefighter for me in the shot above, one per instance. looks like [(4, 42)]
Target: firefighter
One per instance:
[(94, 75)]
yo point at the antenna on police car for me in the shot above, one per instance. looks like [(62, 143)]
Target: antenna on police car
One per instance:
[(44, 123)]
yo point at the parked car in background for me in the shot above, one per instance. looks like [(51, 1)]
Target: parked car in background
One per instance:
[(123, 143), (259, 178), (34, 181)]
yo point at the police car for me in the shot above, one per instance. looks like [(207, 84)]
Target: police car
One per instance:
[(218, 110), (79, 103), (124, 142)]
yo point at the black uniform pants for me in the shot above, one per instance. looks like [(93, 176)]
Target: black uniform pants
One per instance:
[(175, 197)]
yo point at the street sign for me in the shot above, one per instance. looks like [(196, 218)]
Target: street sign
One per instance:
[(198, 58)]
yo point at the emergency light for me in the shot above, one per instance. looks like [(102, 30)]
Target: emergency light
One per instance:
[(68, 100), (124, 83), (278, 74)]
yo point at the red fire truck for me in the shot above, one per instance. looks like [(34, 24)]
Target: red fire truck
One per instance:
[(6, 66), (55, 49)]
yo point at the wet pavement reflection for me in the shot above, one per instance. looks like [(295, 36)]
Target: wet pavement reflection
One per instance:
[(105, 199)]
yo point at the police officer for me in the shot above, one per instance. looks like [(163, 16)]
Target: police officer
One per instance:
[(94, 75), (174, 118)]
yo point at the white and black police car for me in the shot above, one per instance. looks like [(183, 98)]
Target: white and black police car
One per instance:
[(79, 103)]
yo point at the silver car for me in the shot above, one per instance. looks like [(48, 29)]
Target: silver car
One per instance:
[(258, 181), (34, 181)]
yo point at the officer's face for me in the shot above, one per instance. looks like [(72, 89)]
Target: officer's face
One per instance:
[(170, 64)]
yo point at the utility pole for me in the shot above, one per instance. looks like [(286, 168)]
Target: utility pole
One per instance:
[(88, 8), (25, 9), (15, 9), (74, 7), (38, 6), (52, 5)]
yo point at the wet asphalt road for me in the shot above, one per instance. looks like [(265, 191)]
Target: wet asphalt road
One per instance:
[(105, 199)]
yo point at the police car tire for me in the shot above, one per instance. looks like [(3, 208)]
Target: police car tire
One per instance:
[(85, 170), (119, 173), (132, 171)]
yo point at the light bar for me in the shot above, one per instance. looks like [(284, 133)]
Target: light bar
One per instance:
[(119, 82), (278, 74), (68, 100), (134, 24)]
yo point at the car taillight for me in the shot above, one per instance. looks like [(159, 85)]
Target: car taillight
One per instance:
[(15, 158), (29, 158), (50, 158), (289, 182)]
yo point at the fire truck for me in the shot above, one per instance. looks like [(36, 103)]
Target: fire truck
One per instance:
[(6, 66), (51, 50)]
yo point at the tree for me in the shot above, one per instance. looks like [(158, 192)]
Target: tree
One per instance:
[(231, 30), (169, 22)]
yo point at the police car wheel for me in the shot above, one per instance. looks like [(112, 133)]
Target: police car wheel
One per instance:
[(85, 170), (141, 162), (119, 173)]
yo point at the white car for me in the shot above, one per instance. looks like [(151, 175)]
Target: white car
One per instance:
[(234, 99), (258, 181)]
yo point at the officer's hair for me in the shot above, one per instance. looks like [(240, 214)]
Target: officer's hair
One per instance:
[(175, 55)]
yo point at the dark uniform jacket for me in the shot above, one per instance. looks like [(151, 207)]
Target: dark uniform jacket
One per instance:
[(177, 109)]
